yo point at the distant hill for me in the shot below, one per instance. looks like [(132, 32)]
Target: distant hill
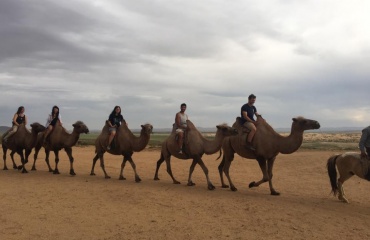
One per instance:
[(3, 129)]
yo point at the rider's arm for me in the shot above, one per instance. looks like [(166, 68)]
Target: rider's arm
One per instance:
[(15, 119), (245, 116)]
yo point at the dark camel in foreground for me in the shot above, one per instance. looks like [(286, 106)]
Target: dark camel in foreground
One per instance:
[(125, 143), (348, 164), (23, 139), (57, 140), (194, 147), (268, 145)]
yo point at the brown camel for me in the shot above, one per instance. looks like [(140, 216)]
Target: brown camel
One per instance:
[(23, 139), (59, 138), (268, 144), (194, 147), (124, 143), (348, 164)]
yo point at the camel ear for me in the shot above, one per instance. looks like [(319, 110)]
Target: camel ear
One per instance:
[(142, 126), (294, 119), (218, 127)]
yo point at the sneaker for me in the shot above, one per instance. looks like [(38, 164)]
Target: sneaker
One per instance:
[(108, 148), (180, 151)]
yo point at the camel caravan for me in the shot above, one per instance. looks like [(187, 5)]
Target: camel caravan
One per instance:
[(249, 138)]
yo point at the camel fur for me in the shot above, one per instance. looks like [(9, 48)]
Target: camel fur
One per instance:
[(195, 145), (268, 144), (124, 143), (23, 139), (59, 139), (347, 164)]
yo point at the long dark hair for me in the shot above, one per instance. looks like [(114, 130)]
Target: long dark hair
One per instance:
[(114, 111), (20, 109), (52, 111)]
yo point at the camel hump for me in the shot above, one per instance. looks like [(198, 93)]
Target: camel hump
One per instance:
[(190, 125)]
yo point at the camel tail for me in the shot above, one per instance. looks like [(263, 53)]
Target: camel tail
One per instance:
[(332, 172), (219, 155)]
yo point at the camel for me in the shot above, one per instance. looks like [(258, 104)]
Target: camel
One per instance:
[(195, 145), (23, 139), (348, 164), (268, 145), (125, 143), (58, 139)]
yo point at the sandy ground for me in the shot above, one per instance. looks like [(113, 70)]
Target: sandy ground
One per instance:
[(40, 205)]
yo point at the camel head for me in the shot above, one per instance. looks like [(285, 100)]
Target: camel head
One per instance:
[(305, 124), (227, 130), (147, 128), (80, 127), (37, 127)]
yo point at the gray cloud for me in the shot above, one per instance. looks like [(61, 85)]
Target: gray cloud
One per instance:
[(299, 58)]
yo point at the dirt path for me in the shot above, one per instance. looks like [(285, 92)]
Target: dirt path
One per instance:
[(40, 205)]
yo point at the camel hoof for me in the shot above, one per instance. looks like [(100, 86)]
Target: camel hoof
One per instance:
[(92, 174), (121, 178), (156, 179), (5, 168), (225, 186), (191, 184), (19, 167), (24, 171), (274, 193), (72, 172), (51, 170), (107, 177), (211, 187), (15, 167), (176, 182), (56, 172), (137, 179), (252, 184), (33, 169), (234, 189)]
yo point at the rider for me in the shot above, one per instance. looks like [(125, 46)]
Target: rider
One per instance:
[(365, 142), (114, 121), (247, 112), (53, 118), (180, 122), (18, 118)]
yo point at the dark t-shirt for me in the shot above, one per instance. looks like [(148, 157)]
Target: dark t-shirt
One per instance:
[(21, 119), (115, 120), (251, 110)]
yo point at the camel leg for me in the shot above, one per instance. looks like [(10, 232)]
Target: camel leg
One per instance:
[(220, 171), (27, 154), (20, 152), (226, 168), (121, 177), (4, 157), (205, 170), (270, 165), (35, 158), (56, 170), (92, 173), (159, 163), (71, 160), (12, 157), (47, 154), (265, 178), (103, 166), (191, 170), (169, 169), (133, 165)]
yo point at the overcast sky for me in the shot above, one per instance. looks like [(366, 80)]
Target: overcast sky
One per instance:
[(301, 58)]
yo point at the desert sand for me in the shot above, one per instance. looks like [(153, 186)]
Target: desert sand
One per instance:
[(40, 205)]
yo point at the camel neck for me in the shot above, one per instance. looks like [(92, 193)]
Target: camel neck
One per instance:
[(212, 146)]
